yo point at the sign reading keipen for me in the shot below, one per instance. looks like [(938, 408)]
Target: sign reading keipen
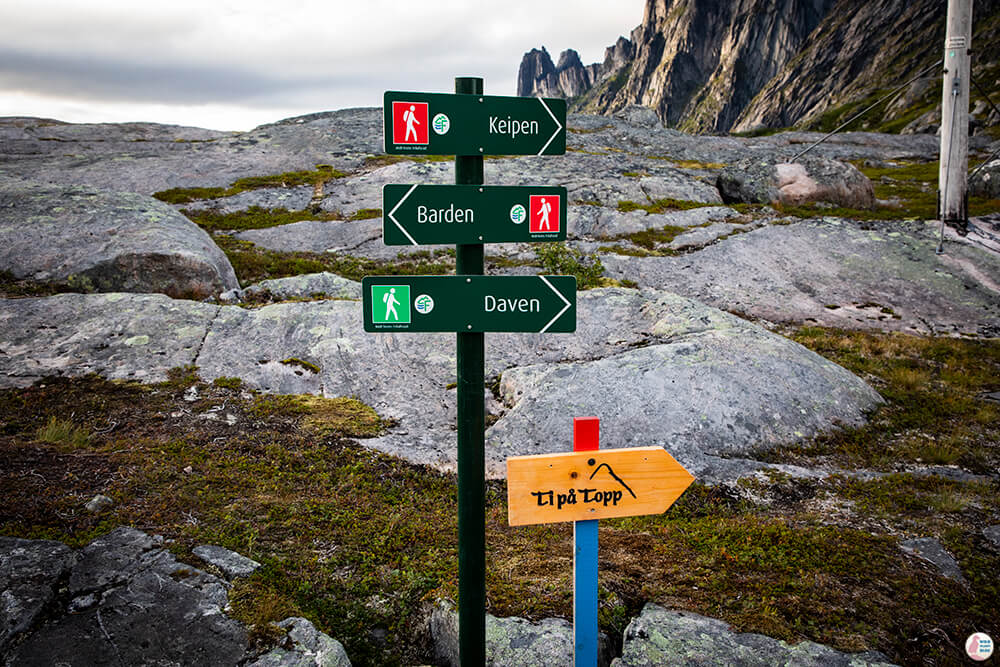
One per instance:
[(452, 124)]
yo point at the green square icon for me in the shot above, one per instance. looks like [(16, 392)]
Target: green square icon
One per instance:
[(390, 304)]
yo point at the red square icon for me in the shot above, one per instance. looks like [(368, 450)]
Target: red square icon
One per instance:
[(409, 123), (544, 213)]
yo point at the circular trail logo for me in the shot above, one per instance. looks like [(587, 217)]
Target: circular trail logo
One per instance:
[(979, 646), (424, 304), (517, 214), (441, 124)]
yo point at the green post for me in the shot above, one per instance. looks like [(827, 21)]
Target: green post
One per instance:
[(471, 353)]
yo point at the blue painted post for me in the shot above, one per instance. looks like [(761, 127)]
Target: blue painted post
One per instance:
[(586, 437)]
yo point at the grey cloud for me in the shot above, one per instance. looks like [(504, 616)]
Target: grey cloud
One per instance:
[(88, 77)]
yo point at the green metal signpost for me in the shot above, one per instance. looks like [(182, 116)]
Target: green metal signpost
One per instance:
[(473, 124), (470, 125), (536, 304), (429, 214)]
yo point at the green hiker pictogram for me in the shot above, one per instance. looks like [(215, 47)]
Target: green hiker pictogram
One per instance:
[(390, 304)]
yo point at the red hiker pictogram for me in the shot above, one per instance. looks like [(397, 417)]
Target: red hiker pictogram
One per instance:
[(544, 213), (409, 123)]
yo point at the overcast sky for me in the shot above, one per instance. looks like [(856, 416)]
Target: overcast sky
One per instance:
[(234, 65)]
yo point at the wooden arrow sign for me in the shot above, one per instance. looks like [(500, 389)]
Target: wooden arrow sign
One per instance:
[(577, 486)]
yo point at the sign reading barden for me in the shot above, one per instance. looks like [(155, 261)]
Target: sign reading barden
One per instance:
[(429, 214), (451, 124), (538, 304), (601, 484)]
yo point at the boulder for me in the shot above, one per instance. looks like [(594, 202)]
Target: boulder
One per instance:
[(986, 182), (662, 637), (101, 241), (29, 573), (304, 646), (710, 387), (808, 180), (510, 641)]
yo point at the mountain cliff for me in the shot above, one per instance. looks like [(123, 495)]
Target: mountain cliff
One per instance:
[(714, 66)]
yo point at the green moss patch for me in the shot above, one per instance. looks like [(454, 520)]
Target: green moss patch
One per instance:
[(316, 177), (660, 205), (560, 259), (934, 412), (254, 217), (254, 264)]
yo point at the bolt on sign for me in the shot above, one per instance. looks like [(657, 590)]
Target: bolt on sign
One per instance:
[(451, 124), (600, 484)]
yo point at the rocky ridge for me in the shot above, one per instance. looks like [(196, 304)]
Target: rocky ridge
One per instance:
[(715, 67)]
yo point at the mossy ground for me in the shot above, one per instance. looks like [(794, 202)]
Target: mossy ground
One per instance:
[(253, 264), (358, 542), (316, 178)]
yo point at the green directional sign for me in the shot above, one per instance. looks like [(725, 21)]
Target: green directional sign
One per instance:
[(451, 124), (429, 214), (470, 303)]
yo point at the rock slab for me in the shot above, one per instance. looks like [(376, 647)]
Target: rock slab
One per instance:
[(29, 573), (662, 637), (102, 241), (932, 551), (132, 603)]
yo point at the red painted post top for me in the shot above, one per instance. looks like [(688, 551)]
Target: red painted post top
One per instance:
[(586, 434)]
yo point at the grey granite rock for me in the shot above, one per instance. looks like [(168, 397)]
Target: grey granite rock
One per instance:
[(326, 284), (100, 241), (509, 641), (29, 573), (232, 564), (661, 637), (710, 388), (120, 336), (304, 646), (932, 551), (838, 273), (134, 604)]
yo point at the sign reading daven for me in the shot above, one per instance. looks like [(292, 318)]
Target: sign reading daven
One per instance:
[(577, 486)]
